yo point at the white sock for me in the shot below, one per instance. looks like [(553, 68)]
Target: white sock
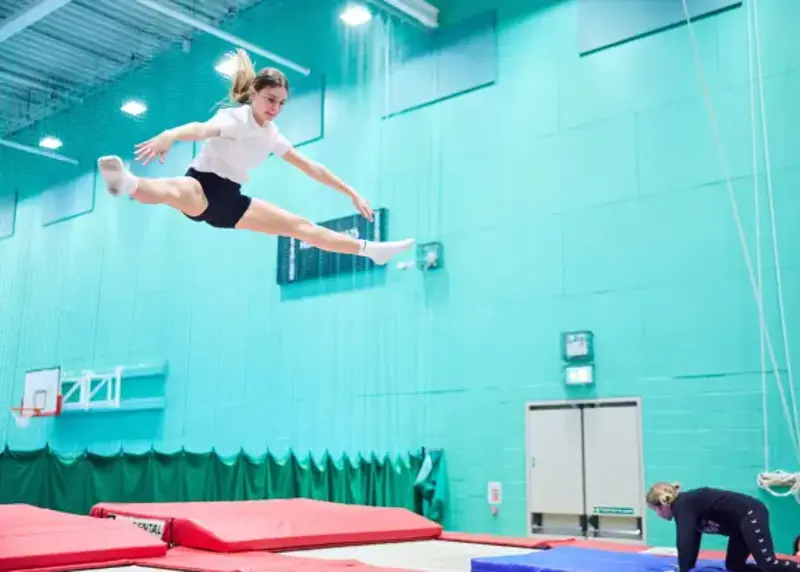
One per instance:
[(119, 180), (382, 252)]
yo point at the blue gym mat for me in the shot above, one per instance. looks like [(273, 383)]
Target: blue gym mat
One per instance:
[(571, 559)]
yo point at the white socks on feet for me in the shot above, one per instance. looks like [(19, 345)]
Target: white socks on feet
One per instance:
[(119, 180), (382, 252)]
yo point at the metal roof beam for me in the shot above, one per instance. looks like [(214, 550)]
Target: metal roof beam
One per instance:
[(421, 11), (31, 84), (28, 17), (224, 36)]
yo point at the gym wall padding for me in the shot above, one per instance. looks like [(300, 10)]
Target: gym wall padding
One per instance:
[(46, 479), (69, 199), (437, 65), (303, 117), (606, 23), (8, 215)]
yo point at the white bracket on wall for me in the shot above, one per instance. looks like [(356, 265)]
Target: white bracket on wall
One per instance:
[(92, 391), (89, 386)]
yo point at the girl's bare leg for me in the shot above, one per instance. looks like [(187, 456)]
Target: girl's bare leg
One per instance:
[(186, 195), (181, 193), (270, 219)]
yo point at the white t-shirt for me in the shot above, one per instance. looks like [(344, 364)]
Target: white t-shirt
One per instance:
[(243, 144)]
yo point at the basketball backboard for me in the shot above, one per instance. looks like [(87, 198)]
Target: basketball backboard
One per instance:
[(41, 396)]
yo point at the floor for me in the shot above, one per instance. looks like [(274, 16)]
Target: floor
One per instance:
[(425, 556)]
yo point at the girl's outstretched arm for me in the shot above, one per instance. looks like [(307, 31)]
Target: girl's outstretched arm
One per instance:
[(323, 175)]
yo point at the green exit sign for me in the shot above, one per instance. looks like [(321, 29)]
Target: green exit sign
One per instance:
[(613, 510)]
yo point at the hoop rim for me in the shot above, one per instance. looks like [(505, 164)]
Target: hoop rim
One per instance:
[(31, 412)]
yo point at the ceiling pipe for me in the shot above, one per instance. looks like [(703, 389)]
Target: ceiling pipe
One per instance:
[(35, 151), (224, 36), (28, 17)]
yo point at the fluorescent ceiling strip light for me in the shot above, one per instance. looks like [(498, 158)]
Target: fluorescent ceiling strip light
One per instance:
[(356, 15)]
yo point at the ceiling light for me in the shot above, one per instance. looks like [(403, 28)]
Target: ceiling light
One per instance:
[(227, 66), (133, 107), (51, 143), (356, 15)]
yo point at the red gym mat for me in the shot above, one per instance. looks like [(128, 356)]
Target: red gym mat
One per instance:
[(105, 565), (32, 537), (186, 559), (540, 543), (279, 524)]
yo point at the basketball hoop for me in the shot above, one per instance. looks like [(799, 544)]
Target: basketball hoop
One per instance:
[(22, 415)]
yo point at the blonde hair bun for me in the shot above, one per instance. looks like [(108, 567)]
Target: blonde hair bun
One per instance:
[(663, 493)]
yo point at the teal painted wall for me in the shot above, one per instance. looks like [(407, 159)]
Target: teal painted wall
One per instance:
[(575, 193)]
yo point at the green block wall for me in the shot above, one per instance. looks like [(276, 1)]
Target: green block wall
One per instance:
[(576, 193)]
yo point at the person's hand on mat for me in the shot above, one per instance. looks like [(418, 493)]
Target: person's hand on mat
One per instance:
[(158, 146), (362, 206)]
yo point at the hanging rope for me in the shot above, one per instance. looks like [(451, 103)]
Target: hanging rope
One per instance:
[(767, 480)]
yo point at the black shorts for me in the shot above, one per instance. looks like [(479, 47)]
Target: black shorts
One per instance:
[(226, 203)]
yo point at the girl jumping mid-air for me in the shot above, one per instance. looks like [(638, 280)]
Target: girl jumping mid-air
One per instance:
[(237, 140), (743, 519)]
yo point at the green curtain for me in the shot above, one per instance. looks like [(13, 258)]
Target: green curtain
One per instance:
[(74, 484), (431, 484)]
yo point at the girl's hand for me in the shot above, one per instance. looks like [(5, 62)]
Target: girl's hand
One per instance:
[(362, 206), (158, 146)]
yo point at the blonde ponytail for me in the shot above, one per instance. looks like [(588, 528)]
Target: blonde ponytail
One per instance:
[(663, 493), (243, 79)]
